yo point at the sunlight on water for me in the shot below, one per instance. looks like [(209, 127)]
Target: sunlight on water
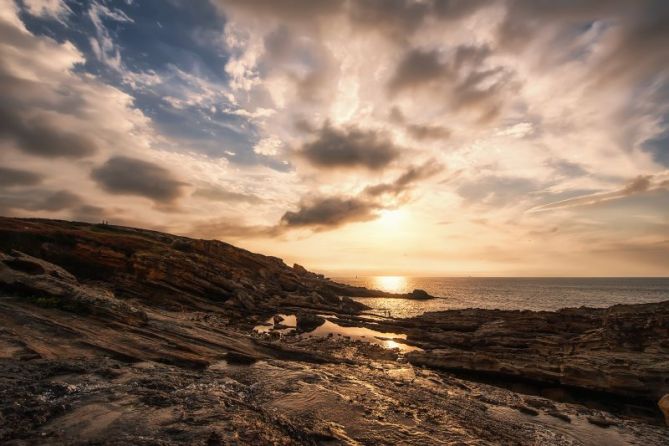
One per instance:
[(508, 293), (390, 344), (328, 328), (391, 284)]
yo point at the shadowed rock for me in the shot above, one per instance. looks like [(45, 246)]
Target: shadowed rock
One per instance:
[(308, 321), (623, 350)]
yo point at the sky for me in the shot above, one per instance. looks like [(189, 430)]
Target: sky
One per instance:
[(417, 137)]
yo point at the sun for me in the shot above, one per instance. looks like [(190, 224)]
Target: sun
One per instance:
[(391, 218)]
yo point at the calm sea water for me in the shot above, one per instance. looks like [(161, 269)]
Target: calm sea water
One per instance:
[(509, 293)]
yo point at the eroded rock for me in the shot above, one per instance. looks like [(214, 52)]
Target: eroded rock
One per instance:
[(663, 404)]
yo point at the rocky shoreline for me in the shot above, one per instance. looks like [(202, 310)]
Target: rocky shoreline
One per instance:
[(112, 335)]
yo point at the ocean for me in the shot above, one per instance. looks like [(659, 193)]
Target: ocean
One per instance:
[(508, 293)]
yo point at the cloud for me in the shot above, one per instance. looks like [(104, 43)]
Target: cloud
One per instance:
[(323, 213), (55, 9), (217, 193), (17, 177), (90, 213), (130, 176), (284, 9), (416, 69), (638, 185), (40, 137), (39, 200), (567, 168), (396, 18), (465, 78), (649, 253), (496, 191), (268, 146), (422, 131), (350, 148), (419, 131), (329, 212), (412, 175), (231, 228), (103, 45)]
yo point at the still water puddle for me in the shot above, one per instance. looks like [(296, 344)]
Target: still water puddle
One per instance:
[(286, 323), (328, 328)]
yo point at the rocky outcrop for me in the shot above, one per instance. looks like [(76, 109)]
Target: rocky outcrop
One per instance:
[(49, 285), (623, 350), (170, 272)]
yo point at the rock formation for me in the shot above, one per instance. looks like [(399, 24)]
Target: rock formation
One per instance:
[(622, 350), (112, 335)]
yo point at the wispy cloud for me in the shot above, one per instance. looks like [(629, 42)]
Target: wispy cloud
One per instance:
[(638, 185)]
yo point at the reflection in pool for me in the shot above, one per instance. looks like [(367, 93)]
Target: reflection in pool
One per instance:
[(386, 340), (289, 322)]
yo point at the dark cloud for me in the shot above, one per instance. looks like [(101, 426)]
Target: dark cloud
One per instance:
[(324, 213), (639, 184), (406, 180), (641, 48), (57, 201), (637, 32), (330, 212), (525, 19), (89, 213), (397, 18), (350, 148), (284, 9), (229, 228), (307, 61), (464, 78), (417, 68), (130, 176), (428, 131), (17, 177), (40, 137), (39, 200), (457, 9), (419, 131), (216, 193), (32, 103)]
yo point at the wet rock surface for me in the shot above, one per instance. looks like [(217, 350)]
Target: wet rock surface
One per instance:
[(122, 336), (622, 350)]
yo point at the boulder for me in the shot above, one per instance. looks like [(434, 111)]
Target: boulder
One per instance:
[(308, 321)]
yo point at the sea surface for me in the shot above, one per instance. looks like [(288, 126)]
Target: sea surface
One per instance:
[(508, 293)]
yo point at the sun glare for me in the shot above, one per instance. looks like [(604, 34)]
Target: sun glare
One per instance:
[(391, 218), (391, 284)]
